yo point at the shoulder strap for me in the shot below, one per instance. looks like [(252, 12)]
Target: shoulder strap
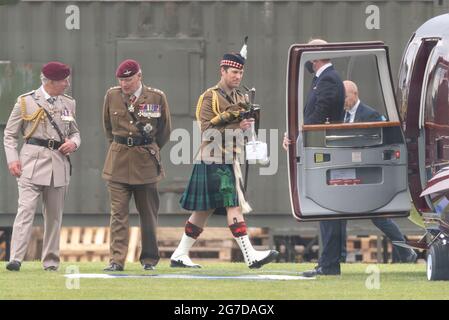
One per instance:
[(61, 136), (215, 106)]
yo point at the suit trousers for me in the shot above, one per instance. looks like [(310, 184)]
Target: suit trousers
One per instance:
[(52, 208), (146, 197), (333, 238)]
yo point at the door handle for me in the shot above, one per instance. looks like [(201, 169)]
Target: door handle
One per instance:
[(353, 136)]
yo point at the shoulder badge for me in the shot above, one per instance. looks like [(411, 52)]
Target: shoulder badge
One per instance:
[(157, 91), (67, 96), (114, 88), (27, 94)]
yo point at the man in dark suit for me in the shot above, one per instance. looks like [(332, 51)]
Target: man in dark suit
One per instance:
[(357, 111), (326, 96), (325, 102)]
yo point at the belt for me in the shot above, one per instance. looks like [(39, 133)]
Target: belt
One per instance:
[(133, 141), (50, 144)]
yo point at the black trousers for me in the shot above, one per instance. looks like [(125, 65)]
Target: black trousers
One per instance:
[(333, 237)]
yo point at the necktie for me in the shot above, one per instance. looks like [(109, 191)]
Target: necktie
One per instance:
[(132, 99), (347, 117), (51, 100)]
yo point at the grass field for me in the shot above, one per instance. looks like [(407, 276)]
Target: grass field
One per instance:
[(397, 281)]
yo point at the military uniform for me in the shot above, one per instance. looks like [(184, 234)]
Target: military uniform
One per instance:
[(45, 170), (133, 166), (217, 169), (216, 181)]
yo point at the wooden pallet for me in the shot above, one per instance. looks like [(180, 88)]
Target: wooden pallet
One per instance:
[(84, 244), (364, 248)]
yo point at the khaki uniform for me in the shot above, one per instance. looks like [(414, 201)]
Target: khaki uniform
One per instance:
[(199, 194), (207, 110), (45, 172), (134, 170)]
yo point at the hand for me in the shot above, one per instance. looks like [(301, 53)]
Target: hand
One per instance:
[(67, 147), (246, 123), (15, 168), (286, 142)]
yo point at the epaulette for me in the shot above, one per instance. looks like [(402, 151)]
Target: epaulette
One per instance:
[(67, 96), (27, 94), (157, 91), (114, 88)]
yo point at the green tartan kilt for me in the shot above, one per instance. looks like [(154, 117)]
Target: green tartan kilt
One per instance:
[(211, 186)]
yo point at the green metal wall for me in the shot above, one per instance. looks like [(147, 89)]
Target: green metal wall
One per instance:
[(179, 44)]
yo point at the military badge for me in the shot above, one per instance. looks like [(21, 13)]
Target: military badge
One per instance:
[(131, 108), (155, 110), (66, 115), (148, 127)]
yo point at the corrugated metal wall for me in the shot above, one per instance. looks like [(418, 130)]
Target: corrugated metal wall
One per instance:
[(36, 32)]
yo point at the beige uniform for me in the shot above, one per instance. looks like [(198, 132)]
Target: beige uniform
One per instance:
[(45, 172), (134, 170)]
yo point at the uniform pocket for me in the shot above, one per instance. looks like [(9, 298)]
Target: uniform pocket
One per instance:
[(150, 164), (117, 116), (28, 162)]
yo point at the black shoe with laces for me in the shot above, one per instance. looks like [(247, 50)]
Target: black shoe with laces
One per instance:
[(148, 266), (320, 271), (51, 268), (13, 265), (113, 267)]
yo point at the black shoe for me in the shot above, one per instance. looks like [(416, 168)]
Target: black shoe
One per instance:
[(411, 258), (51, 268), (271, 256), (113, 267), (319, 271), (148, 266), (13, 265)]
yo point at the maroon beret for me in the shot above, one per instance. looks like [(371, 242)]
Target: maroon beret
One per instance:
[(56, 71), (127, 68)]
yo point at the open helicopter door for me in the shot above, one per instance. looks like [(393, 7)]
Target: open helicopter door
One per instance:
[(346, 170)]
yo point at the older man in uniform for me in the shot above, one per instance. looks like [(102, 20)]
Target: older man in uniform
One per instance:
[(137, 125), (215, 184), (46, 120)]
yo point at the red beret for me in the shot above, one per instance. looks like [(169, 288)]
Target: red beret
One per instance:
[(127, 69), (56, 71)]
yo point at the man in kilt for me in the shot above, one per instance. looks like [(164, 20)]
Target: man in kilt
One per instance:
[(215, 185)]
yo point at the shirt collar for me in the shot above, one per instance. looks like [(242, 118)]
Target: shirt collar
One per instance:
[(138, 91), (46, 95), (353, 110), (320, 70)]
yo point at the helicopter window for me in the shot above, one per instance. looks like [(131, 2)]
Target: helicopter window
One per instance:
[(437, 96), (404, 78)]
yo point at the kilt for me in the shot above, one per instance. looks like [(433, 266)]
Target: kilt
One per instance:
[(211, 186)]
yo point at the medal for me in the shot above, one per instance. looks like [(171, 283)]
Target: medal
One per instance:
[(155, 110), (66, 115), (131, 108), (144, 111), (148, 127)]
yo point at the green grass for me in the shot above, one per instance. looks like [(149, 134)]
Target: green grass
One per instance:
[(397, 281)]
